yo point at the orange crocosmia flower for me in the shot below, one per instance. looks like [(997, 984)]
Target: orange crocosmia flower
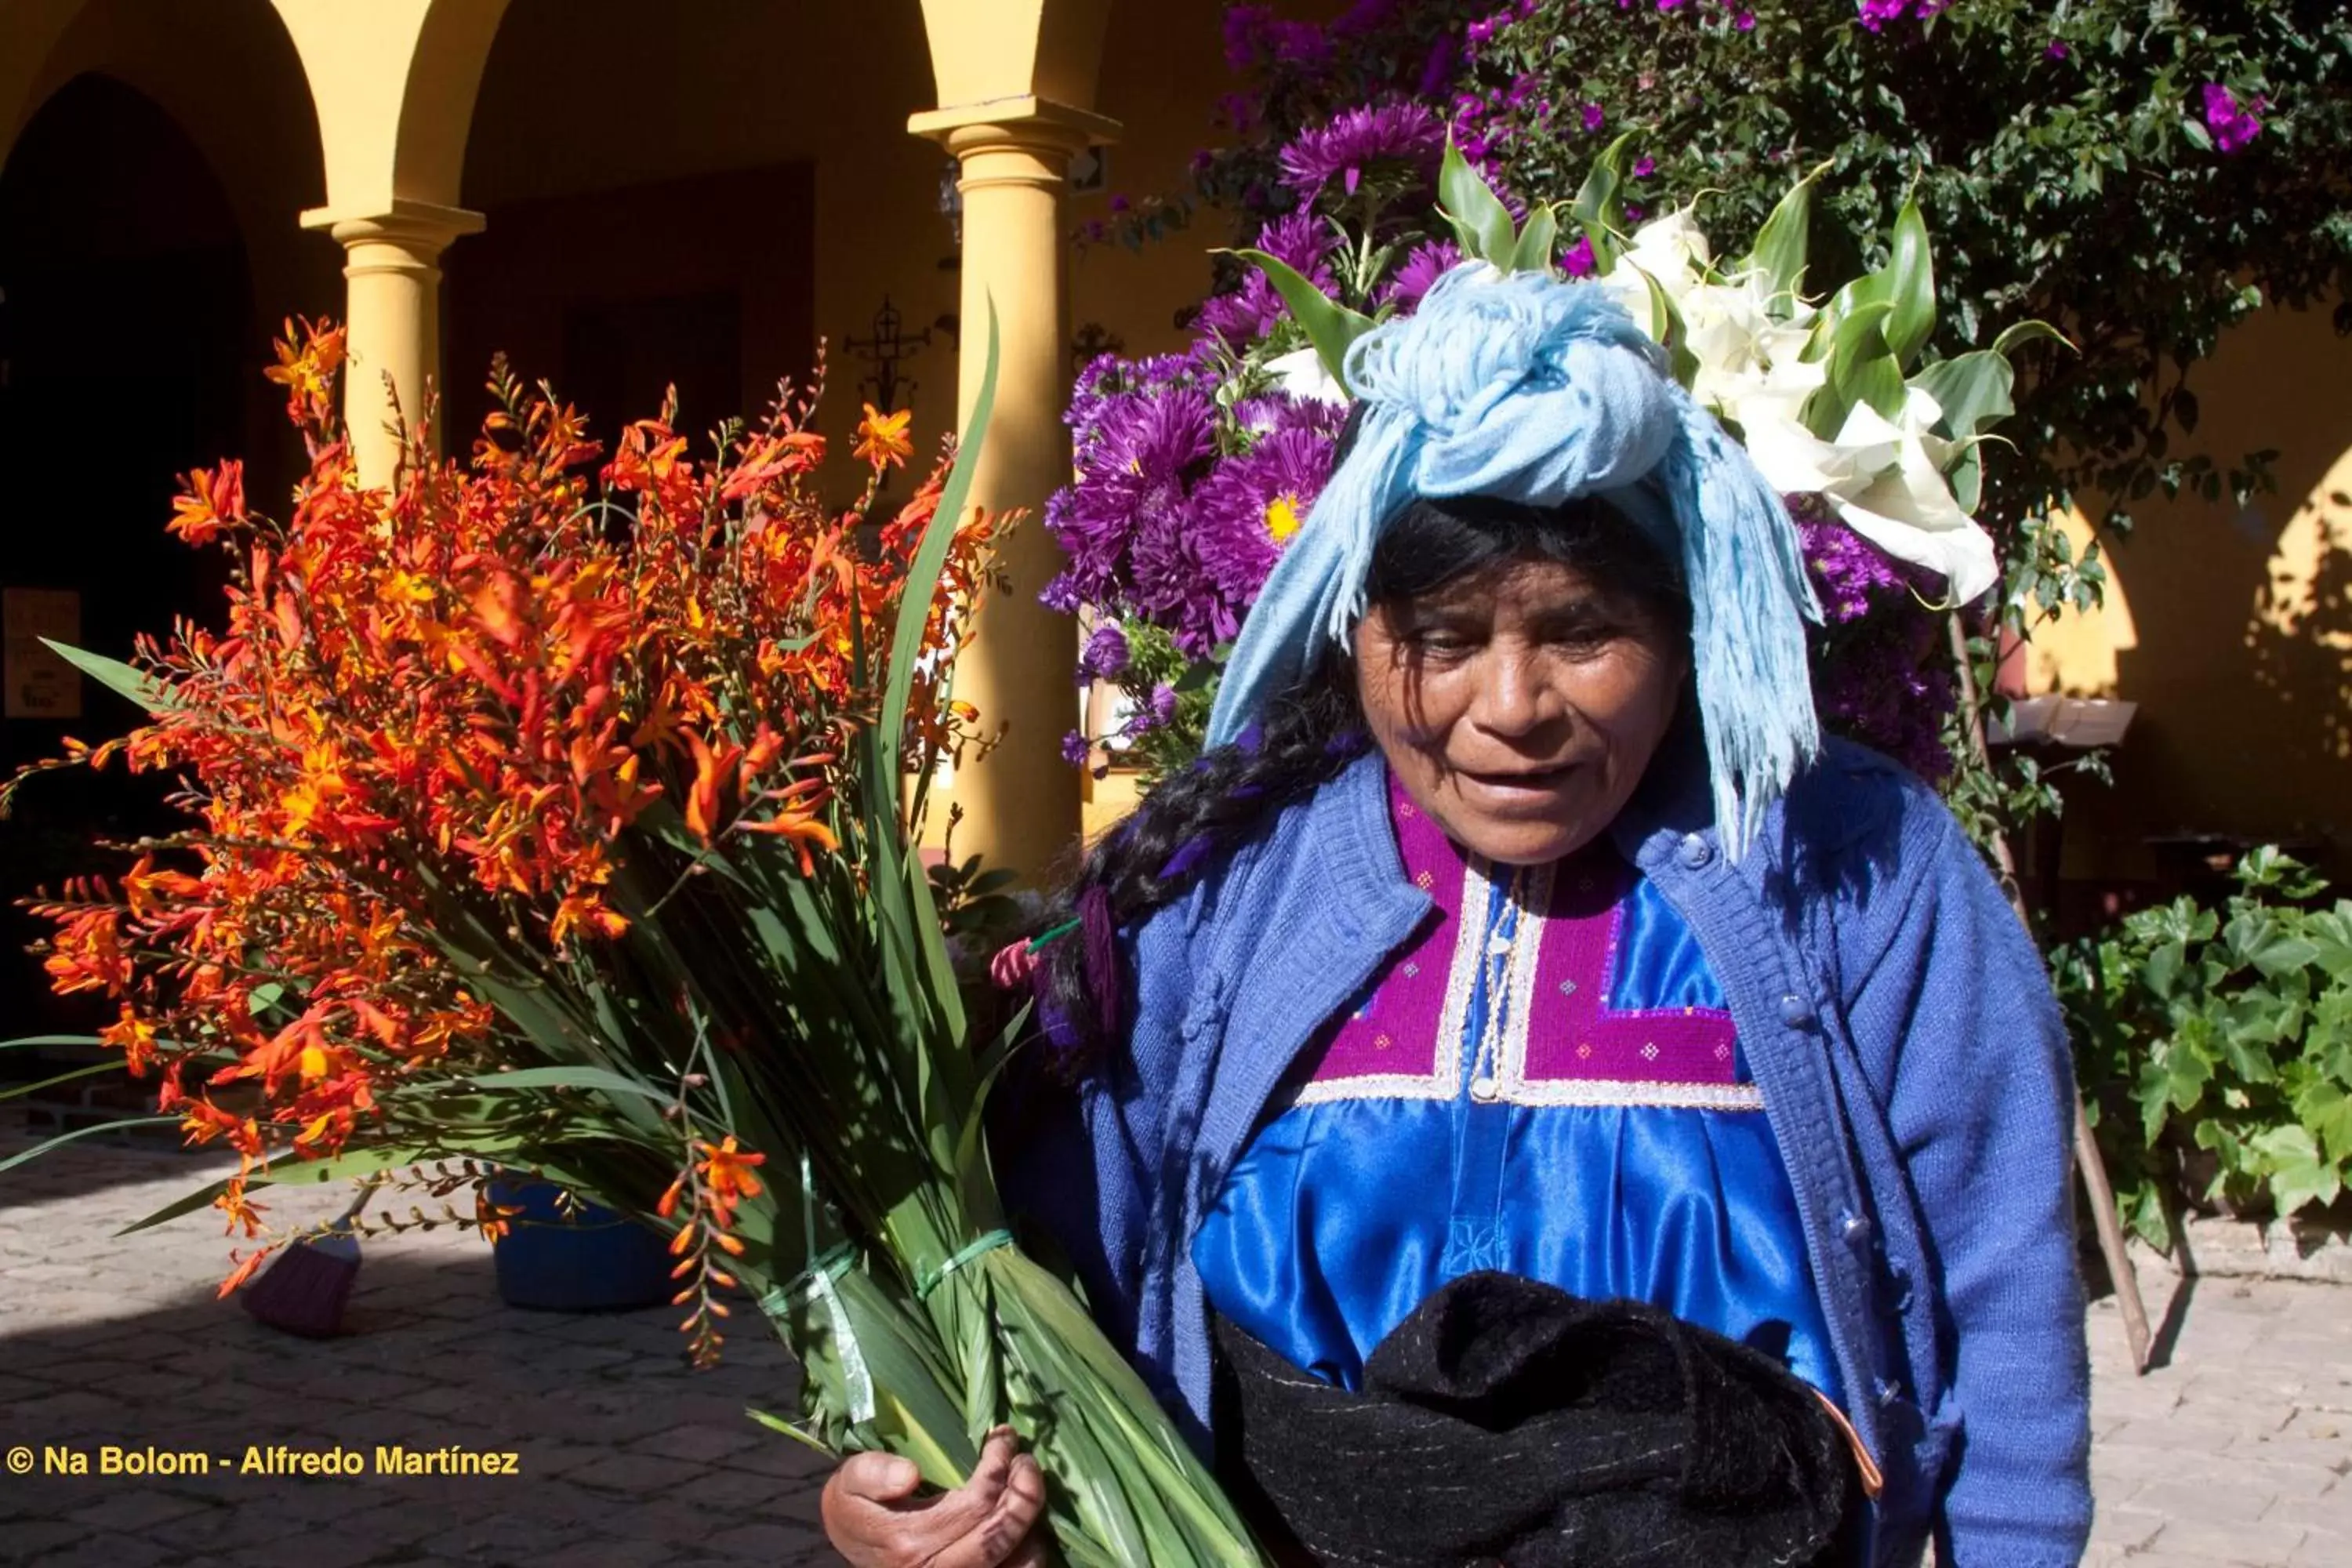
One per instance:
[(882, 437), (136, 1035), (586, 911), (233, 1203), (727, 1171), (491, 1219), (144, 888), (242, 1272), (213, 499), (710, 771), (801, 830), (87, 955)]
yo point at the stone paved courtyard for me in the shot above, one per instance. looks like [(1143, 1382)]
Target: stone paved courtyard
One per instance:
[(2240, 1451)]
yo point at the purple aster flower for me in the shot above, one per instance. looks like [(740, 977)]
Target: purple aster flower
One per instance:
[(1580, 261), (1106, 654), (1594, 117), (1166, 436), (1745, 21), (1358, 139), (1301, 242), (2233, 125), (1156, 714), (1428, 263), (1075, 749), (1645, 166), (2057, 49), (1670, 4), (1250, 507), (1244, 314), (1879, 675), (1851, 573), (1173, 586)]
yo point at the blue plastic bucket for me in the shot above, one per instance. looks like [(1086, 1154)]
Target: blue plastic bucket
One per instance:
[(598, 1262)]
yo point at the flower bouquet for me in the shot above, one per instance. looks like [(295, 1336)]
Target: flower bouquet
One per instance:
[(1194, 469), (548, 813)]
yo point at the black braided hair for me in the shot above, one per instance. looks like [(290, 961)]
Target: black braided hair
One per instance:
[(1194, 819)]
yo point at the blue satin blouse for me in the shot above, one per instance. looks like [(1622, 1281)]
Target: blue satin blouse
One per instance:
[(1546, 1082)]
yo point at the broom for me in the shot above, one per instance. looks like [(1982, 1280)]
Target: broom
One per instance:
[(304, 1291)]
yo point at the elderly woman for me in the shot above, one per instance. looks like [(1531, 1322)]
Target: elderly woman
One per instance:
[(1535, 1099)]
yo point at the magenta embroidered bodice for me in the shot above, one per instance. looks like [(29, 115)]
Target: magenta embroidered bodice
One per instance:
[(1545, 1081)]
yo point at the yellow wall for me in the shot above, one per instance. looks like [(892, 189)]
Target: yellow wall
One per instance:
[(2237, 639)]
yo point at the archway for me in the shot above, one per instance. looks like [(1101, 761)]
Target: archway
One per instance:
[(125, 338)]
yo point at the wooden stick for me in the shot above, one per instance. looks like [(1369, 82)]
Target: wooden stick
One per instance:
[(2091, 1165)]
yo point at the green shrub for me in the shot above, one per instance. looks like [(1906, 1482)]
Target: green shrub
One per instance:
[(2220, 1039)]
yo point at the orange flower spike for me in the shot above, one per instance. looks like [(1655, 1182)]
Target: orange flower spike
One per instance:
[(242, 1272), (882, 439), (802, 829), (136, 1036), (212, 501), (710, 771), (88, 955), (728, 1172), (668, 1204), (682, 1240), (727, 1243), (766, 746)]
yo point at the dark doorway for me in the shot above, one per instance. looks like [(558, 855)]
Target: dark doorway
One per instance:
[(124, 338)]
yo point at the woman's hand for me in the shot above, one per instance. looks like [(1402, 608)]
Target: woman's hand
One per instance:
[(875, 1520)]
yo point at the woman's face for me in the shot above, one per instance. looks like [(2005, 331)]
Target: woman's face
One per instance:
[(1519, 704)]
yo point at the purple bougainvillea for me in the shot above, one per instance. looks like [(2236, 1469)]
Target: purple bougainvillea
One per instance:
[(2232, 123)]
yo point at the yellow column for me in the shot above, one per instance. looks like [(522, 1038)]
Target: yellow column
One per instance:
[(1020, 801), (391, 313)]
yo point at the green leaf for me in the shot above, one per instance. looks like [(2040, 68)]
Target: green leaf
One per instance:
[(19, 1090), (1782, 243), (1973, 389), (1912, 287), (1597, 209), (1537, 242), (1481, 222), (1860, 368), (117, 677), (777, 1424), (38, 1150), (187, 1204), (2298, 1176), (2327, 1109), (596, 1078), (1330, 326), (2014, 338), (1668, 327)]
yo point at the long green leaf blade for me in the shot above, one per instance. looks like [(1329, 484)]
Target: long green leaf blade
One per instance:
[(132, 685)]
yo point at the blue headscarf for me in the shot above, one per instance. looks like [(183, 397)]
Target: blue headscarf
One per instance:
[(1530, 389)]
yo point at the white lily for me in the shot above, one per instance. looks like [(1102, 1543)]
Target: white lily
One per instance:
[(1300, 372), (1885, 479)]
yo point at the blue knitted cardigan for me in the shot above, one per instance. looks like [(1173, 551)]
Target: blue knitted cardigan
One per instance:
[(1896, 1014)]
